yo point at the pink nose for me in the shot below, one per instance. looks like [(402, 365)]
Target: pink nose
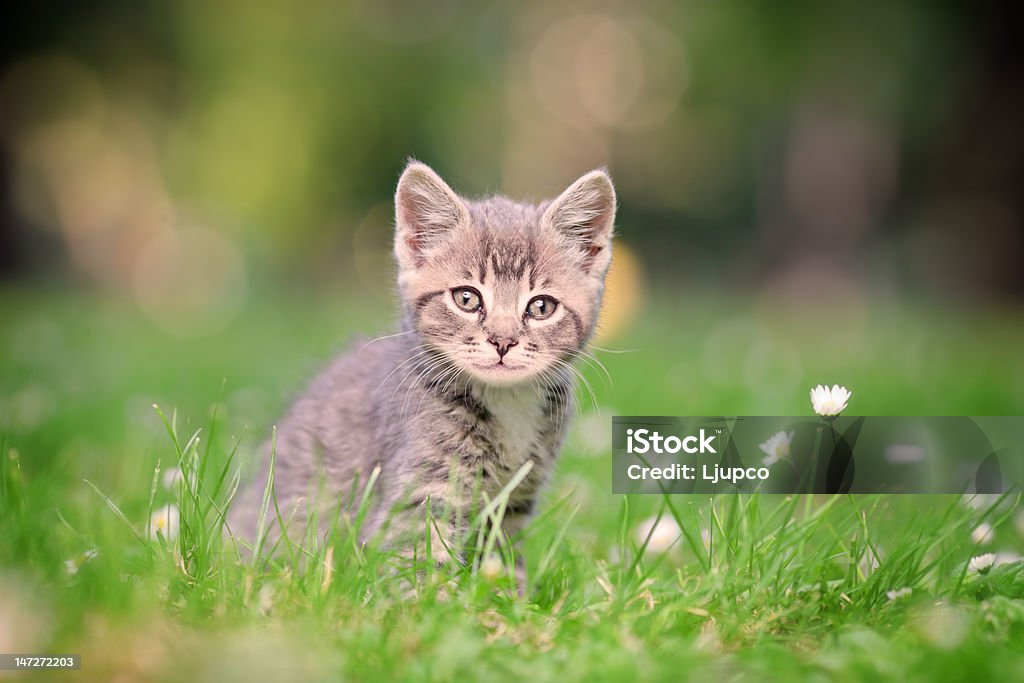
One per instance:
[(502, 344)]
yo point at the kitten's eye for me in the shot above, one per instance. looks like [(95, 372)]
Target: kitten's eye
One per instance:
[(541, 307), (467, 298)]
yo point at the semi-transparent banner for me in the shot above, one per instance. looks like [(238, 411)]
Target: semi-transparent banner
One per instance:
[(817, 455)]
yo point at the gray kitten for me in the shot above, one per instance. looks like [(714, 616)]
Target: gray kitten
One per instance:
[(498, 297)]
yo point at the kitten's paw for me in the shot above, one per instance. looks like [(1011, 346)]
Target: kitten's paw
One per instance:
[(522, 580), (493, 569)]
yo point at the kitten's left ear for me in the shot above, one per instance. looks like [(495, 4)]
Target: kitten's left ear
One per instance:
[(585, 215)]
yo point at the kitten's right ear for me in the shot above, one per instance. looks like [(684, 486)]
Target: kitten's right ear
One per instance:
[(585, 215), (427, 211)]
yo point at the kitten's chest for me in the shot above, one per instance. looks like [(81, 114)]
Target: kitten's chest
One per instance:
[(518, 424)]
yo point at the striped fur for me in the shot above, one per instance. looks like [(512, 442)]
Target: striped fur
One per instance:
[(436, 407)]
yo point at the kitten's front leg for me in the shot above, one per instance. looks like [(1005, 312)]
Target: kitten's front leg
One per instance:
[(517, 515), (431, 517), (440, 525)]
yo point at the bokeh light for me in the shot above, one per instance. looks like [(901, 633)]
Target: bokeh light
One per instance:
[(624, 293), (190, 282), (744, 159)]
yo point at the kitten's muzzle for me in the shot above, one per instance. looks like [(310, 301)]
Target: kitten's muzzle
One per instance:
[(502, 344)]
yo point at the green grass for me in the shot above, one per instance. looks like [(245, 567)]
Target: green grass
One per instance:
[(756, 587)]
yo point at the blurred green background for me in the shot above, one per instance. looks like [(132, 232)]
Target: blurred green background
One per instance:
[(199, 193), (186, 153)]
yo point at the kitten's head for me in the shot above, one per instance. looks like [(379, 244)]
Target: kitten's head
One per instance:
[(503, 290)]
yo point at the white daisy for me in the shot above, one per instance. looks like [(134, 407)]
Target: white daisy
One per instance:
[(165, 521), (72, 565), (828, 402), (776, 447), (899, 593), (663, 533), (982, 563)]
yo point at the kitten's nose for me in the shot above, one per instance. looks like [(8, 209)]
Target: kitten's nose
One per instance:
[(502, 344)]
